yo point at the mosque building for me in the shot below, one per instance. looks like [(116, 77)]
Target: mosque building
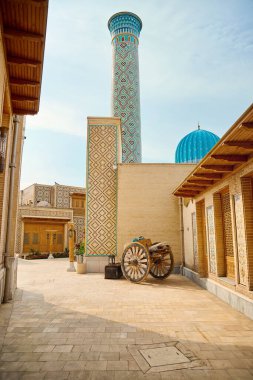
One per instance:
[(202, 204), (194, 146)]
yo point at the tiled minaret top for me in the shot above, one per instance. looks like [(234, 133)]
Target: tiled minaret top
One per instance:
[(125, 29)]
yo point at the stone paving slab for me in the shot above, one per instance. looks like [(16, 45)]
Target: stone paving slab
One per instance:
[(68, 326)]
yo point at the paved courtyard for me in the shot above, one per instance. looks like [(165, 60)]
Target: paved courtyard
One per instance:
[(68, 326)]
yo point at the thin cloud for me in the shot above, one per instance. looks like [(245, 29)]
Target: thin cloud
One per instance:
[(58, 117)]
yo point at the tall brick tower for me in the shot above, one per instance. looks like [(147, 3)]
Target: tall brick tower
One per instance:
[(125, 29)]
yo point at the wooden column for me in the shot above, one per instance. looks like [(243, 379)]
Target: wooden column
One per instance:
[(201, 236), (71, 238)]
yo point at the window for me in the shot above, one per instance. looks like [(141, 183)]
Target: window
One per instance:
[(26, 238), (59, 239), (35, 238)]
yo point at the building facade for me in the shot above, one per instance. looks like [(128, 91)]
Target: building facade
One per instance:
[(22, 43), (210, 226), (126, 199), (218, 212), (43, 218)]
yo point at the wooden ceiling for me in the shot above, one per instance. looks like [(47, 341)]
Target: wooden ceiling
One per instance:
[(23, 24), (234, 150)]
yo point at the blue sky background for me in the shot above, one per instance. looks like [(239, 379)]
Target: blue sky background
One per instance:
[(196, 64)]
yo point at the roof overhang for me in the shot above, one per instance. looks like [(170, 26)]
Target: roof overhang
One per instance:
[(233, 151), (23, 24), (77, 194)]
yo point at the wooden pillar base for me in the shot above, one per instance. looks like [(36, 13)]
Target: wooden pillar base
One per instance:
[(71, 267)]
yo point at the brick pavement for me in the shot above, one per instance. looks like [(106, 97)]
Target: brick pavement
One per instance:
[(68, 326)]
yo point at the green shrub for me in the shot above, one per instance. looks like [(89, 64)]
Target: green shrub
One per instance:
[(79, 249)]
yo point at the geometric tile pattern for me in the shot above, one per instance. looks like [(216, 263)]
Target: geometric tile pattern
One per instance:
[(79, 225), (228, 236), (101, 212), (194, 146), (43, 193), (125, 28), (240, 238), (62, 194), (211, 239), (126, 96)]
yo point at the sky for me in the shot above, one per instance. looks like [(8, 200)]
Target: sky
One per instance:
[(195, 58)]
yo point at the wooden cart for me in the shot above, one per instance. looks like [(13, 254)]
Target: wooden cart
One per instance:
[(142, 257)]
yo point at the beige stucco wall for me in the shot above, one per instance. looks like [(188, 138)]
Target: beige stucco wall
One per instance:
[(188, 209), (146, 205), (27, 195)]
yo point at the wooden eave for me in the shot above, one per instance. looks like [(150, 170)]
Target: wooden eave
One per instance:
[(233, 151), (23, 27), (81, 195)]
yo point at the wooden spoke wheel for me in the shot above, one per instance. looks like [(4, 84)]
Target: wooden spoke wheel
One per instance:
[(135, 262), (162, 265)]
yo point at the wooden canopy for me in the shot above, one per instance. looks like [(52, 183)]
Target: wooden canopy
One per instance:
[(23, 24), (234, 150)]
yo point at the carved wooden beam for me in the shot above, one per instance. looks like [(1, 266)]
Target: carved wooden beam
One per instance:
[(23, 98), (185, 195), (22, 111), (208, 175), (201, 181), (193, 187), (240, 144), (219, 168), (231, 157), (23, 82), (13, 33), (34, 2), (248, 125), (12, 60)]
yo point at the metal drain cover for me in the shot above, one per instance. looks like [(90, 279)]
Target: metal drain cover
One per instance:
[(163, 356), (167, 356)]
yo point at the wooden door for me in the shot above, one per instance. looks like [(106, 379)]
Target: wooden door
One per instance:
[(228, 235), (37, 236)]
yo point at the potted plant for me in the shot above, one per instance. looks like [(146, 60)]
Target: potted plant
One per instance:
[(79, 252), (81, 264)]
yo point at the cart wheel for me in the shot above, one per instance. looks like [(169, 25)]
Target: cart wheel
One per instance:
[(135, 262), (162, 265)]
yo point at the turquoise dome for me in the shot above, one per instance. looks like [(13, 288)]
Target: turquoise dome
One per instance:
[(194, 146)]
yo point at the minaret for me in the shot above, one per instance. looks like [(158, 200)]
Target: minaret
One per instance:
[(125, 29)]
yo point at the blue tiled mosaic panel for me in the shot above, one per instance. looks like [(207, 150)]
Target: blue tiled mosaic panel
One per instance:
[(126, 95)]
